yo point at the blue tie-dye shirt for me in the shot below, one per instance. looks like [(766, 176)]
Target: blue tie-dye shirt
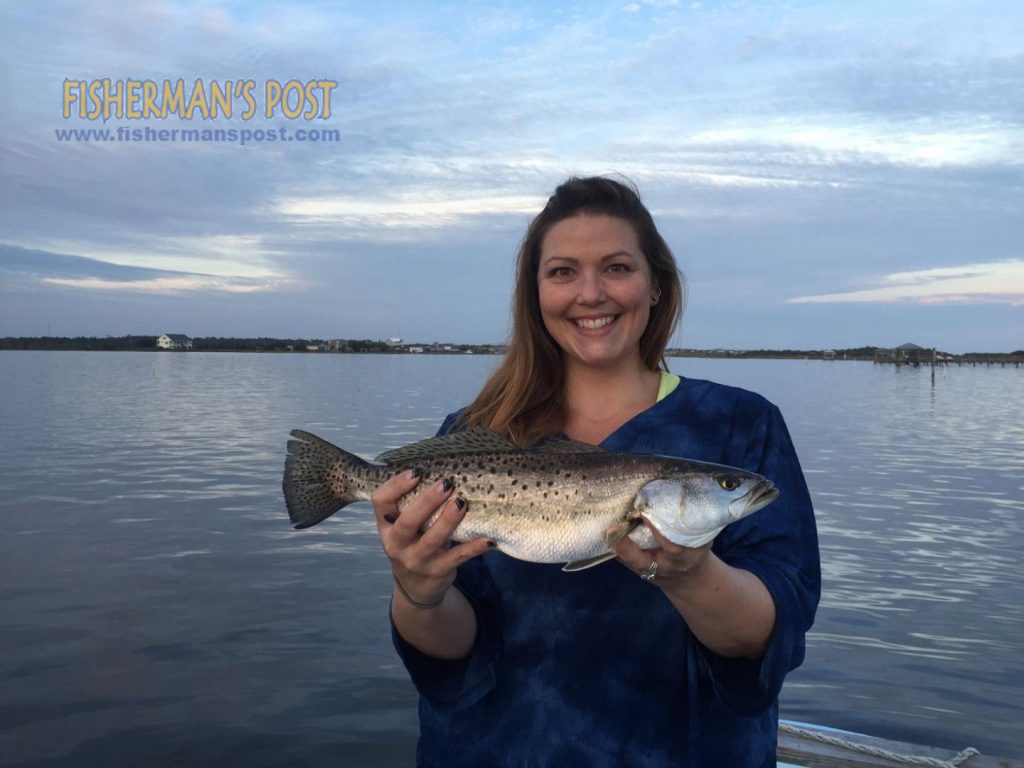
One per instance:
[(596, 668)]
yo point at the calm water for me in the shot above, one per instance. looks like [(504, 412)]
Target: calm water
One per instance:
[(156, 608)]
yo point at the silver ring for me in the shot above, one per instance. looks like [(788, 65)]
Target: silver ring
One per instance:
[(648, 573)]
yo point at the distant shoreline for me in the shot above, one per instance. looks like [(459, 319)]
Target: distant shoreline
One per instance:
[(917, 356)]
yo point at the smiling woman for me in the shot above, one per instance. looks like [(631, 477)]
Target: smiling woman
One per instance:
[(522, 663), (596, 290), (603, 240)]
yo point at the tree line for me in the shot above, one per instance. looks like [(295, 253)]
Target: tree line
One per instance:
[(267, 344)]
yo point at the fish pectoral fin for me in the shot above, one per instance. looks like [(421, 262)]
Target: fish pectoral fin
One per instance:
[(619, 531), (588, 562), (612, 536)]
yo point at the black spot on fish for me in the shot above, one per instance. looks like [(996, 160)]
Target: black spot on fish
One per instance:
[(524, 486)]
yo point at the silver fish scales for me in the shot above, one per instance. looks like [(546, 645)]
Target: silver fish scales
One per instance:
[(560, 501)]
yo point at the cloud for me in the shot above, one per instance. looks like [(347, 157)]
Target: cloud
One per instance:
[(164, 285), (1000, 282), (225, 255), (417, 211), (660, 3), (31, 268), (868, 138), (951, 144)]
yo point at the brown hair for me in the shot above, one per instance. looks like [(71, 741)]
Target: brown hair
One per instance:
[(523, 398)]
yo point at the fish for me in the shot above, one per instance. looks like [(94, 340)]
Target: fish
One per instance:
[(558, 501)]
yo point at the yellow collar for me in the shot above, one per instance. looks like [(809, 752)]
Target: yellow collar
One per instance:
[(669, 381)]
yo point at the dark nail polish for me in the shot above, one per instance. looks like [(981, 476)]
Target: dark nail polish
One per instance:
[(447, 485), (460, 503), (416, 472), (492, 544), (390, 519)]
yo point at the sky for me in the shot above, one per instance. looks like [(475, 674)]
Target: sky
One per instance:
[(828, 174)]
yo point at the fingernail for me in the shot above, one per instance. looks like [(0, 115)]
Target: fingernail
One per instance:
[(491, 544), (415, 472), (390, 518), (460, 503), (447, 485)]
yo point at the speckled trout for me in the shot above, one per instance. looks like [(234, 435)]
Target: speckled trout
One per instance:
[(559, 501)]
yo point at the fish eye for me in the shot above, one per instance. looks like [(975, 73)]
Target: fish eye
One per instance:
[(729, 483)]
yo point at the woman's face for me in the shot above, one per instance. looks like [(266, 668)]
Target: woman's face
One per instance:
[(595, 290)]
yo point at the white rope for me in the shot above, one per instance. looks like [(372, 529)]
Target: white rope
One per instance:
[(837, 741)]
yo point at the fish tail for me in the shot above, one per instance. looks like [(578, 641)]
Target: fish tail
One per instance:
[(317, 479)]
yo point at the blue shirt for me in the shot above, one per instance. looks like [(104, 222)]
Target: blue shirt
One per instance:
[(597, 668)]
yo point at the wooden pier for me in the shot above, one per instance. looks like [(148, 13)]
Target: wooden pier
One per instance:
[(915, 356), (810, 746)]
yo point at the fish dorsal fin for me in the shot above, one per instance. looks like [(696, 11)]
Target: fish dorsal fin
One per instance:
[(476, 440), (564, 445)]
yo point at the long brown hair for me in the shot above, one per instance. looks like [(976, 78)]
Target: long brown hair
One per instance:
[(523, 398)]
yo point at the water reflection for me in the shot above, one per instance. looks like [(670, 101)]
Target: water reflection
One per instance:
[(153, 590)]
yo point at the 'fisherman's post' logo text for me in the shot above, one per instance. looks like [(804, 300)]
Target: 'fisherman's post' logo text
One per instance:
[(150, 99), (106, 99)]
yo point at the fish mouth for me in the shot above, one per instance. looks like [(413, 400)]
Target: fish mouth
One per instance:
[(761, 495)]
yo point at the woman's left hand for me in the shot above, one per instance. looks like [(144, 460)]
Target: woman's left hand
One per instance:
[(728, 609), (667, 566)]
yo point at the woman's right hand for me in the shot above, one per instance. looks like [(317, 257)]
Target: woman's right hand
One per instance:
[(423, 564)]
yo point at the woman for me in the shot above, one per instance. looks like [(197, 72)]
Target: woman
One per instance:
[(675, 656)]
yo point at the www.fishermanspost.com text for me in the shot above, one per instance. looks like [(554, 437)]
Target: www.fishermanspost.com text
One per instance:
[(240, 136)]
